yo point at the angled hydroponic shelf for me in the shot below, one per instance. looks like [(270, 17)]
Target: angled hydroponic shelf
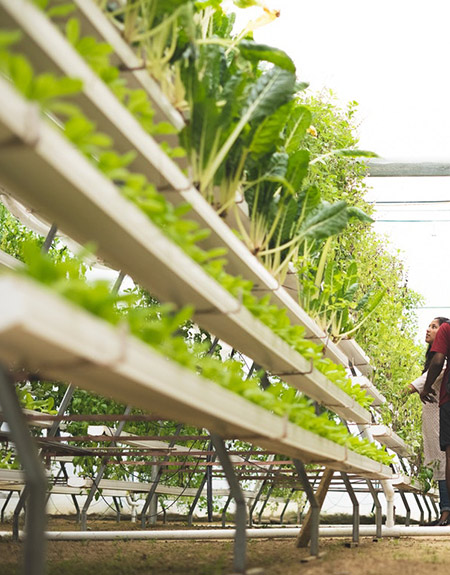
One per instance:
[(94, 210), (45, 336), (59, 341)]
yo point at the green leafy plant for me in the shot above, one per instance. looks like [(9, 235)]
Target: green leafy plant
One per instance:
[(159, 327), (330, 293)]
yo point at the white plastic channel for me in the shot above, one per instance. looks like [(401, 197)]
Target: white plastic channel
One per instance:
[(42, 333), (63, 187)]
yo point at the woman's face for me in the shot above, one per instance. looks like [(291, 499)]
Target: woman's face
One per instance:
[(431, 331)]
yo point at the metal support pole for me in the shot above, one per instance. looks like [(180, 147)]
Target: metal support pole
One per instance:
[(209, 488), (286, 505), (224, 510), (117, 506), (261, 483), (430, 514), (355, 503), (36, 481), (314, 505), (8, 497), (54, 429), (49, 239), (196, 498), (98, 478), (164, 512), (419, 505), (378, 510), (265, 501), (156, 479), (240, 542), (256, 501), (435, 507), (407, 507)]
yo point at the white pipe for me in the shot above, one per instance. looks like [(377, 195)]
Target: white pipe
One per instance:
[(133, 504), (388, 489), (261, 533), (389, 494)]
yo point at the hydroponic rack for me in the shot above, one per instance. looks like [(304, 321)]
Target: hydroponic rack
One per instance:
[(41, 333)]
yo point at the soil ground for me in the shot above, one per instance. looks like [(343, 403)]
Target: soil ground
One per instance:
[(388, 556)]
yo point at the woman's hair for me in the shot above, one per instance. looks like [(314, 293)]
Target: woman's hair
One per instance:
[(429, 354)]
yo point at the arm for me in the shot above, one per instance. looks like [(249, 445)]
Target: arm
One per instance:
[(426, 395), (417, 385)]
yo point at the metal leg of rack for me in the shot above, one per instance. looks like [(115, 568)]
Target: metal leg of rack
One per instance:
[(378, 509), (255, 502), (158, 471), (117, 506), (240, 542), (314, 505), (197, 497), (224, 510), (209, 487), (54, 429), (407, 507), (355, 503), (265, 501), (419, 505), (35, 477), (49, 239), (430, 513), (435, 508), (291, 493), (98, 477), (5, 505)]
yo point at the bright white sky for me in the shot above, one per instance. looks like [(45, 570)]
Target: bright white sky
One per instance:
[(391, 56)]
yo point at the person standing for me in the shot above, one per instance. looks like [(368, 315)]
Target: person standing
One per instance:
[(441, 351), (433, 456)]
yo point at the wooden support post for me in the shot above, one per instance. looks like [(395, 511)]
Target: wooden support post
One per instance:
[(305, 532)]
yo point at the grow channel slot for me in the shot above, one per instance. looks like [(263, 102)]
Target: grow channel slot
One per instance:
[(63, 187), (390, 439), (49, 50), (43, 333)]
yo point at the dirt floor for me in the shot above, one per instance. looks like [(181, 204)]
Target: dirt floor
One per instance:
[(388, 556)]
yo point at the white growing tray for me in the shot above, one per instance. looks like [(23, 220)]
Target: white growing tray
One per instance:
[(49, 50), (41, 332), (63, 187)]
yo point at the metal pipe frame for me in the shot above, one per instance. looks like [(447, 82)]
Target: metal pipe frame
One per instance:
[(5, 505), (355, 503), (98, 477), (209, 487), (430, 513), (265, 501), (224, 510), (314, 504), (116, 501), (407, 507), (289, 497), (240, 540), (156, 479), (435, 507), (378, 509), (197, 496), (419, 505), (36, 481)]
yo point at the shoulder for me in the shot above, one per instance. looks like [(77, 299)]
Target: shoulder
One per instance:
[(442, 339)]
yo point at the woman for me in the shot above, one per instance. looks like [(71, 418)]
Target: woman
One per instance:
[(433, 456)]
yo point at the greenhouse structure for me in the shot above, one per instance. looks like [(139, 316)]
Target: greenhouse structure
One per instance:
[(189, 316)]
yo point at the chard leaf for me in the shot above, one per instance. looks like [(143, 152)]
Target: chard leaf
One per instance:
[(267, 136), (254, 52), (297, 124), (328, 220), (297, 168), (268, 93)]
